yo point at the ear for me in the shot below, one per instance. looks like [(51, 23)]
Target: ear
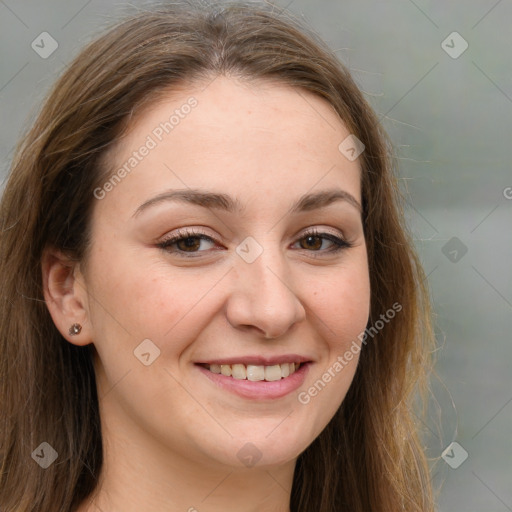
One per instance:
[(65, 294)]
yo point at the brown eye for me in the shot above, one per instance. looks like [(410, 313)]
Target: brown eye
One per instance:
[(190, 244), (313, 242), (322, 243)]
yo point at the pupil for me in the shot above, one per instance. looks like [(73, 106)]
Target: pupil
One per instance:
[(310, 240), (190, 243)]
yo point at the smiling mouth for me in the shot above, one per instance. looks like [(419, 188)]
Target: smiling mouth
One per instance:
[(254, 373)]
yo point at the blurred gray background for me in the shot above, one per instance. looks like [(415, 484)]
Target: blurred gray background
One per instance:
[(448, 109)]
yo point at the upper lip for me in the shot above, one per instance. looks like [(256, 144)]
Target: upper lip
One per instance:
[(258, 360)]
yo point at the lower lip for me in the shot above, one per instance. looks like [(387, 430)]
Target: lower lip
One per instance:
[(259, 390)]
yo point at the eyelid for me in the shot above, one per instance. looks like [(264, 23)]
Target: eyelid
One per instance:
[(315, 230), (187, 232)]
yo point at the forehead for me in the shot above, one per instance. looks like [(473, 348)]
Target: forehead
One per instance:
[(226, 135)]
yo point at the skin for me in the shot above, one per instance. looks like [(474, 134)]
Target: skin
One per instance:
[(171, 437)]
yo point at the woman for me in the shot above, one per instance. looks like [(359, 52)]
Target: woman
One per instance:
[(209, 299)]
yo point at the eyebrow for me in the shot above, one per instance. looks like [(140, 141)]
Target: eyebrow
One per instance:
[(307, 202)]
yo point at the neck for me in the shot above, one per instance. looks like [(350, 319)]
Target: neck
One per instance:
[(146, 476)]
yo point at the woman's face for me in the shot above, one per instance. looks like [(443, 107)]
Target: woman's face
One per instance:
[(271, 269)]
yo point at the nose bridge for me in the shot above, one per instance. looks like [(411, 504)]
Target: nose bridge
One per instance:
[(262, 295)]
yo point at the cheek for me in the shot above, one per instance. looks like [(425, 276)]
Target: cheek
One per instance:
[(341, 306), (342, 302), (139, 297)]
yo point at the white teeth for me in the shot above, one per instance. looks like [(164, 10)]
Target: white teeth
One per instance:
[(225, 369), (273, 372), (215, 368), (238, 371), (255, 373)]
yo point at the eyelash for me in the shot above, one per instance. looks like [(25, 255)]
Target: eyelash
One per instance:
[(339, 243)]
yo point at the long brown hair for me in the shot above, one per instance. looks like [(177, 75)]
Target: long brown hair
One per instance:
[(369, 456)]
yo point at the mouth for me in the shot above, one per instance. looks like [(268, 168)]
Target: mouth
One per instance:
[(253, 373), (257, 378)]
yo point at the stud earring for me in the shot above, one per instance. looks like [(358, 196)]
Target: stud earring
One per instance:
[(75, 329)]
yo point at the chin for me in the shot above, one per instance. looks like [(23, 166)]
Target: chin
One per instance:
[(260, 450)]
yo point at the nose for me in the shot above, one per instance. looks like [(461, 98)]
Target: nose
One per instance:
[(263, 297)]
